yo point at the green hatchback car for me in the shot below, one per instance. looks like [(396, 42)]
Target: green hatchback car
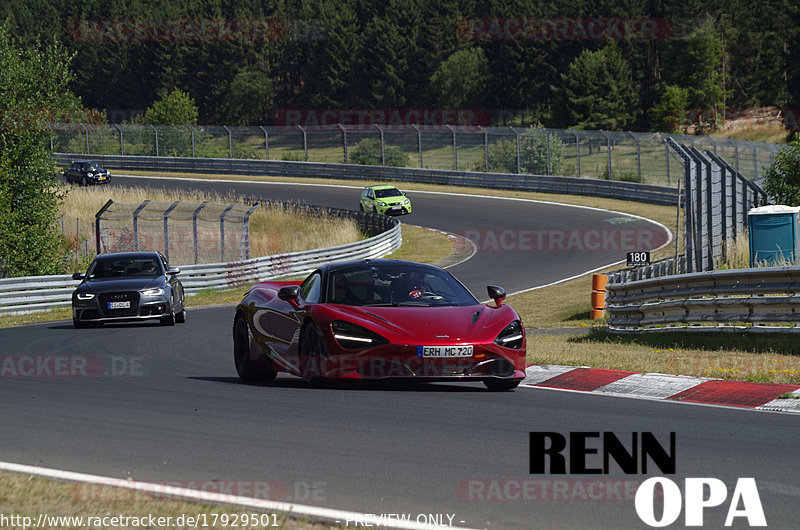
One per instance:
[(384, 200)]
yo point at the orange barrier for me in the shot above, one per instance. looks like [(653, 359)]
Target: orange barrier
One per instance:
[(599, 282)]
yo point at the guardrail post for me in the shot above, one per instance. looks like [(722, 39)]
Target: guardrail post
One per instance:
[(266, 142), (222, 231), (247, 229), (305, 141), (455, 148), (121, 140), (344, 140), (194, 229), (166, 228), (419, 142), (97, 217), (155, 131), (191, 130), (383, 145), (136, 223), (86, 130)]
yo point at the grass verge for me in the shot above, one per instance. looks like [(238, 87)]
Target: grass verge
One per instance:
[(28, 496)]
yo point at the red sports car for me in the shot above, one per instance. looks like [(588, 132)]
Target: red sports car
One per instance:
[(378, 319)]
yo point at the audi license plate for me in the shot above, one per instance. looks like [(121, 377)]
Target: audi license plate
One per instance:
[(120, 305), (444, 351)]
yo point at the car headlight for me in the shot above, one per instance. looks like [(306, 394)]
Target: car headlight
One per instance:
[(511, 336), (158, 291), (381, 204), (353, 337), (85, 296), (406, 201)]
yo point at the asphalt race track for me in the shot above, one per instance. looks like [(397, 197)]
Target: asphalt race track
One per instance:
[(163, 404)]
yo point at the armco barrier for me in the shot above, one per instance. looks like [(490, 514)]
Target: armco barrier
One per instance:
[(632, 191), (35, 293), (750, 300)]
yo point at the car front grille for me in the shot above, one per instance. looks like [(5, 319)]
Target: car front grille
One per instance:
[(131, 296)]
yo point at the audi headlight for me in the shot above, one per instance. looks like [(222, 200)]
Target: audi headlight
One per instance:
[(353, 337), (85, 296), (158, 291), (511, 336)]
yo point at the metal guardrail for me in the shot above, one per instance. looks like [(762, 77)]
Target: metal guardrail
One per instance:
[(34, 293), (743, 300), (632, 191)]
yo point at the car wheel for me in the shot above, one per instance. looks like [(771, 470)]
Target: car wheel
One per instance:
[(501, 385), (241, 354), (180, 318), (361, 207), (84, 182), (312, 352), (374, 209), (77, 324)]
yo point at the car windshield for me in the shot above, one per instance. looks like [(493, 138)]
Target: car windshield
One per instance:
[(92, 166), (390, 192), (120, 267), (396, 285)]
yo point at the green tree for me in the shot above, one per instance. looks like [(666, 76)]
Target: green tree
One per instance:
[(533, 152), (670, 113), (461, 80), (598, 90), (703, 74), (782, 178), (33, 84), (250, 98), (176, 108)]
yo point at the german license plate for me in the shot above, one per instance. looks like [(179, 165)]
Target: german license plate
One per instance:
[(444, 351), (120, 305)]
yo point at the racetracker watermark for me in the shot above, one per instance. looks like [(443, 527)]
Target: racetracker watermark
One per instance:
[(367, 119), (557, 240), (564, 29), (210, 491), (66, 366), (196, 30), (548, 490)]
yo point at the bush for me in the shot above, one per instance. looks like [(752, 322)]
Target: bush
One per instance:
[(532, 154), (368, 152), (782, 178)]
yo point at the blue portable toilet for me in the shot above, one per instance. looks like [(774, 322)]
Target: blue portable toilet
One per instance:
[(774, 234)]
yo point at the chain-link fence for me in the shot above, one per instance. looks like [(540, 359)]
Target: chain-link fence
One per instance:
[(184, 232), (626, 156)]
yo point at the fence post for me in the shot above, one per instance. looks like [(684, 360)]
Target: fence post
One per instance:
[(194, 229), (547, 141), (455, 148), (191, 130), (344, 140), (230, 141), (155, 131), (608, 152), (305, 141), (577, 150), (666, 149), (485, 146), (419, 142), (166, 228), (712, 142), (247, 230), (121, 140), (87, 138), (136, 223), (383, 145), (266, 141), (222, 230), (97, 217), (516, 136), (638, 155)]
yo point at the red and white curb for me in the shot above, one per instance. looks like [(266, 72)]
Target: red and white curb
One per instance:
[(759, 396)]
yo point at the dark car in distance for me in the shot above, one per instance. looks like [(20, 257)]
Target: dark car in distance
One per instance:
[(128, 286), (85, 172)]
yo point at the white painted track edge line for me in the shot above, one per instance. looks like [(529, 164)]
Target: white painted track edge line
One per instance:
[(328, 515)]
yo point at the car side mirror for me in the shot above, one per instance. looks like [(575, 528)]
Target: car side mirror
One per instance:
[(77, 276), (173, 270), (496, 293), (290, 293)]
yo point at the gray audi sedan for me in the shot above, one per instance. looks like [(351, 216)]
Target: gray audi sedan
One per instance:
[(128, 286)]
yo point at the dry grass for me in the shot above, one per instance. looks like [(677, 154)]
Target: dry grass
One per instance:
[(269, 224), (30, 496), (773, 133)]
